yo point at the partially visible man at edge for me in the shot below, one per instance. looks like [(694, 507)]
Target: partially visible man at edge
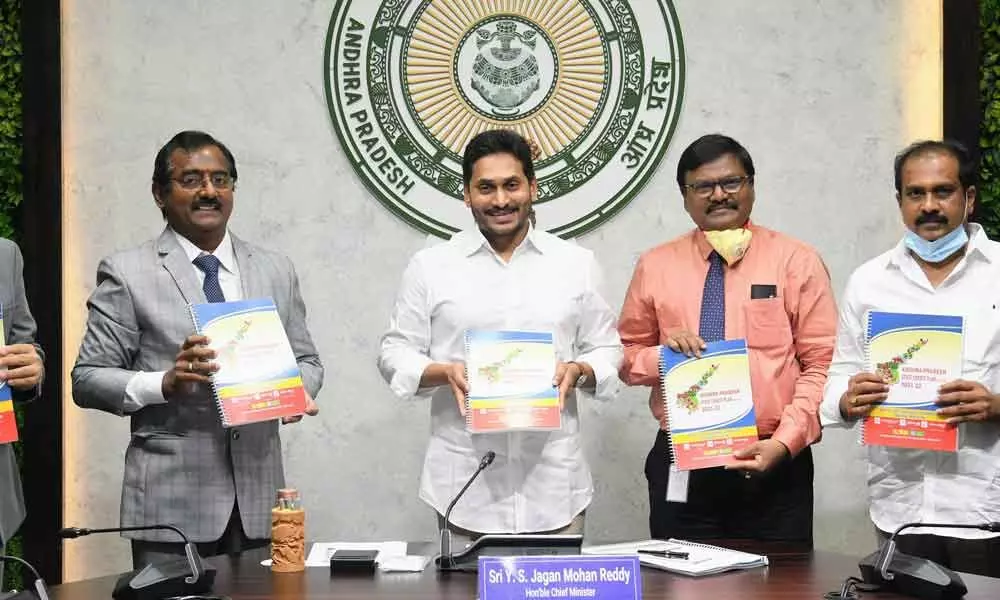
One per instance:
[(729, 279), (943, 265), (23, 370)]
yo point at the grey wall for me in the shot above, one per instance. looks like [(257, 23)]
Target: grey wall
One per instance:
[(816, 90)]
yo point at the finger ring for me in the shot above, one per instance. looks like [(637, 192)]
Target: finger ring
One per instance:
[(190, 366)]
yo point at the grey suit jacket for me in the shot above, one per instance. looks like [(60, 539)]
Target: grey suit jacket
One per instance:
[(18, 328), (181, 466)]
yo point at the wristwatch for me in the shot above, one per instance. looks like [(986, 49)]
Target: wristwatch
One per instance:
[(583, 374)]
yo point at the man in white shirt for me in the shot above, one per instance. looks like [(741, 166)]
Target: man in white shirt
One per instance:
[(505, 274), (141, 358), (943, 265)]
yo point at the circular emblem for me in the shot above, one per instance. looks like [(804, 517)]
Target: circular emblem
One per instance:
[(594, 85)]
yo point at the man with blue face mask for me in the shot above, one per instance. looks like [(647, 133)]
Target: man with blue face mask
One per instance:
[(943, 265)]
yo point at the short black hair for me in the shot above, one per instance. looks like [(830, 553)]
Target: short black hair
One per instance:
[(497, 141), (957, 150), (708, 148), (188, 141)]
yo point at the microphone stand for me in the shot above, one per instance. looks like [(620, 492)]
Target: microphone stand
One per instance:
[(446, 561), (890, 547), (41, 593), (913, 575), (180, 577), (194, 559)]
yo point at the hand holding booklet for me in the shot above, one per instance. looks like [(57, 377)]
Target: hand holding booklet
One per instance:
[(8, 420), (685, 558), (258, 377), (510, 381), (709, 404), (914, 354)]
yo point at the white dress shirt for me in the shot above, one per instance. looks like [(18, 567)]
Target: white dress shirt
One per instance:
[(539, 481), (918, 485), (147, 387)]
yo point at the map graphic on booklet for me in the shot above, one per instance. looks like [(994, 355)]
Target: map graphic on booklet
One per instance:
[(258, 377), (709, 404), (914, 354), (510, 381)]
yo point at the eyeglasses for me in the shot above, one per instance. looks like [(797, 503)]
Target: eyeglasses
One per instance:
[(193, 180), (729, 185), (938, 192)]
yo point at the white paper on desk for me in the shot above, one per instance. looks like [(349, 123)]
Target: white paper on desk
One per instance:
[(320, 553), (703, 559), (410, 563)]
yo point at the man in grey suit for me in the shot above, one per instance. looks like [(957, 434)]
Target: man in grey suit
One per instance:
[(140, 358), (22, 359)]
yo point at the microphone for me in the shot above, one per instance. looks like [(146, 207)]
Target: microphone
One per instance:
[(445, 560), (40, 592), (187, 576), (912, 575)]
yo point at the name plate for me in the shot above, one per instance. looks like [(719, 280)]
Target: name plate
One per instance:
[(530, 577)]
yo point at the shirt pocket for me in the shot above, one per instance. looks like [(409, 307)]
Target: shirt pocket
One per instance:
[(767, 324), (982, 346), (550, 301)]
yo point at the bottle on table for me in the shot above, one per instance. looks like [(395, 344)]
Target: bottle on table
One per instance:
[(288, 532)]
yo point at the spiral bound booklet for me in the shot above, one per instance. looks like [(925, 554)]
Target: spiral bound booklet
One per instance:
[(709, 404), (258, 377), (915, 354), (700, 560), (8, 421), (510, 381)]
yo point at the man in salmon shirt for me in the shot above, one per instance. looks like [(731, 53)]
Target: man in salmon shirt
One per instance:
[(732, 279)]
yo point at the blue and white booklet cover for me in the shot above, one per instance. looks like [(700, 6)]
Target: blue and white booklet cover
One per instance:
[(709, 404), (258, 377), (914, 354), (510, 381)]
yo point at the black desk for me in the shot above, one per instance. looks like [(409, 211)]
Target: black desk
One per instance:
[(791, 576)]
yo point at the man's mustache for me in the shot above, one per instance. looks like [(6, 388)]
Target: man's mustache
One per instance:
[(926, 218), (207, 203), (502, 210), (722, 204)]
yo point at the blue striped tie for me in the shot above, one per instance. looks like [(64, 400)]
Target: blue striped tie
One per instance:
[(209, 265), (712, 323)]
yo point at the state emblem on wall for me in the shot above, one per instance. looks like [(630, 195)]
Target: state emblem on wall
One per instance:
[(595, 85)]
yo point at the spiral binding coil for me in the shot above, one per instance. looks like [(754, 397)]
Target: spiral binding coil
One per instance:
[(468, 401), (219, 408), (869, 367), (666, 403)]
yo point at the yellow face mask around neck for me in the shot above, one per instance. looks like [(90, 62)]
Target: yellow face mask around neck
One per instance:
[(731, 244)]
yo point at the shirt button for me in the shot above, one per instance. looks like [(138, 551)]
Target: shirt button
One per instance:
[(236, 435)]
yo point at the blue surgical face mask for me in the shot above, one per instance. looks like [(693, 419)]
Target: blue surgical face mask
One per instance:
[(941, 248)]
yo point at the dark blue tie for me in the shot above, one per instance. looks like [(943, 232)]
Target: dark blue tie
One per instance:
[(209, 265), (712, 324)]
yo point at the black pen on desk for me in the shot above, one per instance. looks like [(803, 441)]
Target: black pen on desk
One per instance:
[(665, 553)]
